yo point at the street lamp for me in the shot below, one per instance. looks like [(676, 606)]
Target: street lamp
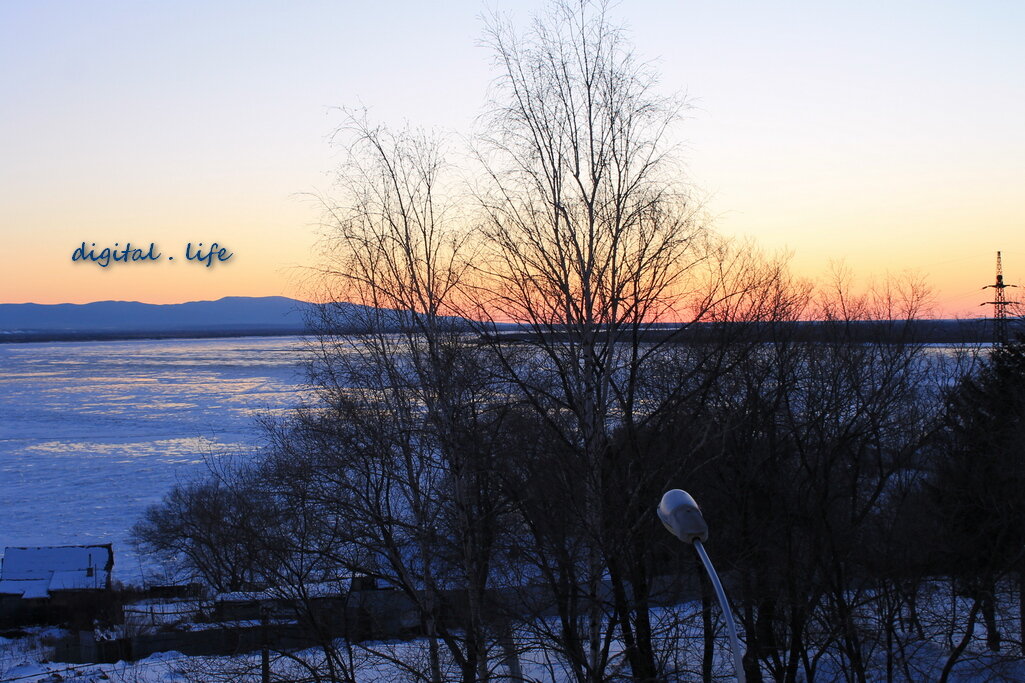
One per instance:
[(682, 517)]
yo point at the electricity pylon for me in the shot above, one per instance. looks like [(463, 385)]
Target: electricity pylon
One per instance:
[(1000, 305)]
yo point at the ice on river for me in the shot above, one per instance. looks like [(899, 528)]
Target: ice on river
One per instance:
[(91, 433)]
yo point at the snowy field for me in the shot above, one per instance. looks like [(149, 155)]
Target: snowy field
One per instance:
[(91, 433), (922, 658)]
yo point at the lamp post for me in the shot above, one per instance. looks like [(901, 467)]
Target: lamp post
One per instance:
[(682, 517)]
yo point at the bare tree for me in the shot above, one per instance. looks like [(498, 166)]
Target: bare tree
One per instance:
[(408, 414), (814, 442), (204, 527), (591, 244)]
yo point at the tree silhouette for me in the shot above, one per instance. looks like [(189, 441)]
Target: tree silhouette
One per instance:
[(978, 489)]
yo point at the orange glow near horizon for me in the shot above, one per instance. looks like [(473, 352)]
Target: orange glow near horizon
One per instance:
[(265, 268), (252, 270)]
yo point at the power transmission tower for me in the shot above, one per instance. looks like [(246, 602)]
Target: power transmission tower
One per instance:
[(1000, 305)]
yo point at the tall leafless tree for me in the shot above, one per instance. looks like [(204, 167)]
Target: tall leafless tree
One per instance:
[(408, 406), (591, 244)]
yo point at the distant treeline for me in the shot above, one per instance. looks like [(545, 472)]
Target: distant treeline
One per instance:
[(897, 331)]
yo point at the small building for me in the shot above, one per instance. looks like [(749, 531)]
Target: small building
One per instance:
[(55, 583)]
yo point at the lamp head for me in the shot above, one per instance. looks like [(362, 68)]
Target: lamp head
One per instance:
[(682, 517)]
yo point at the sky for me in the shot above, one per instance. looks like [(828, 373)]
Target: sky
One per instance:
[(889, 137)]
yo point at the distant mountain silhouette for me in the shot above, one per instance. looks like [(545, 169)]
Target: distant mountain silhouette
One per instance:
[(228, 317), (132, 316)]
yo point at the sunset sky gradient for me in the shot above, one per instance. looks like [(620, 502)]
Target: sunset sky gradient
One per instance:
[(890, 136)]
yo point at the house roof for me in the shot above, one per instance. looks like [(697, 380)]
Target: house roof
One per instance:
[(28, 590), (37, 572)]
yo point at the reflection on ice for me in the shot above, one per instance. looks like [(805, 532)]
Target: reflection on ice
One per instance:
[(192, 449)]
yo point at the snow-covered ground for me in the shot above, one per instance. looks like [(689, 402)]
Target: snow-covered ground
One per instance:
[(92, 433), (29, 658)]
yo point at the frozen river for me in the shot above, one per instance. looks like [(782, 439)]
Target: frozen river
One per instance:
[(92, 433)]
